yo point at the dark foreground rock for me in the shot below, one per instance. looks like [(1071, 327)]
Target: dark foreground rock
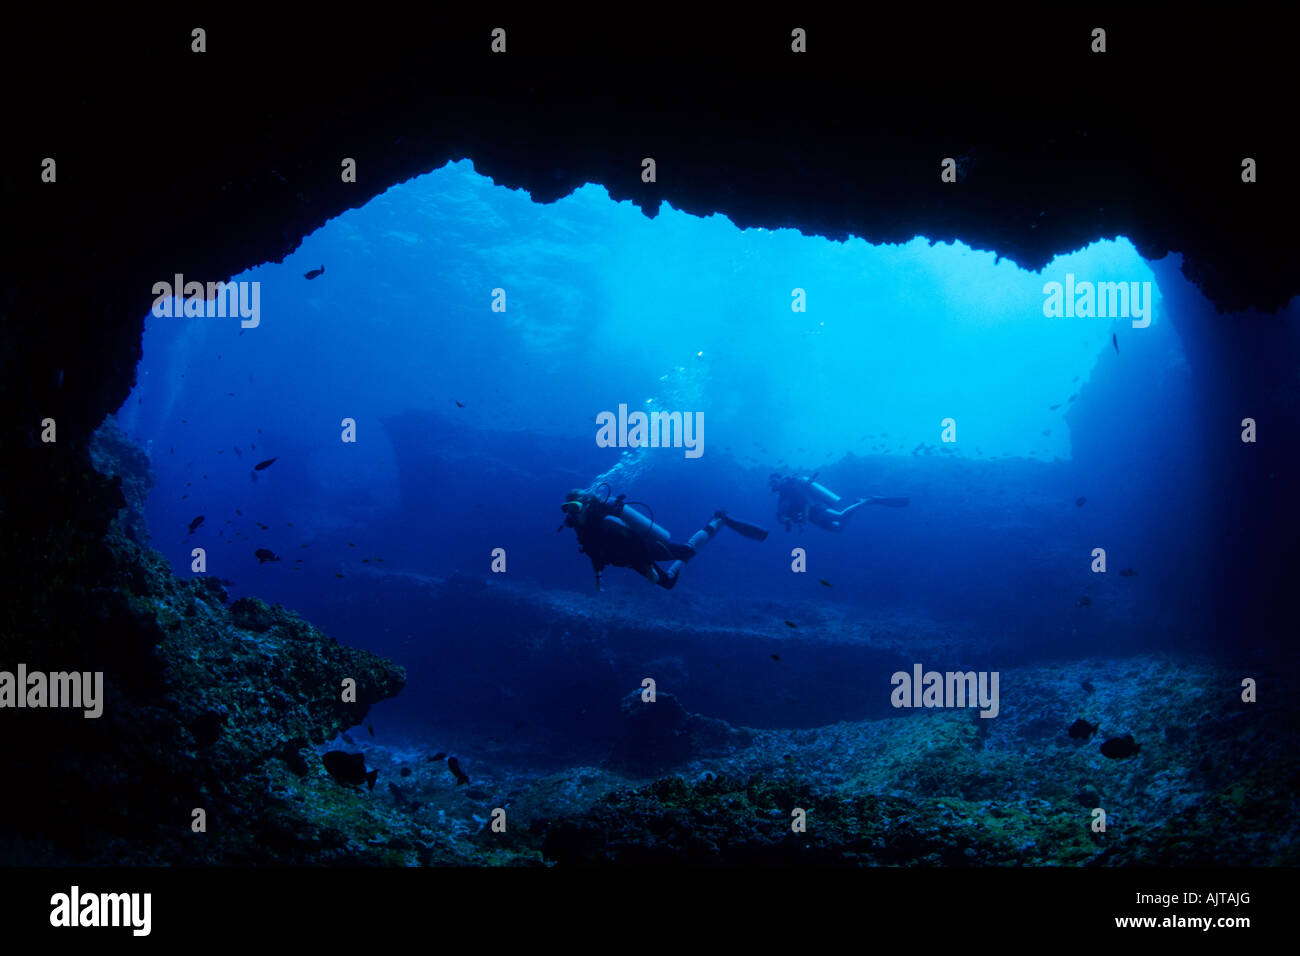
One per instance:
[(199, 713), (204, 707)]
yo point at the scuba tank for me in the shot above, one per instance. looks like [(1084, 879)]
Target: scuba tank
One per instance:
[(820, 492), (639, 523)]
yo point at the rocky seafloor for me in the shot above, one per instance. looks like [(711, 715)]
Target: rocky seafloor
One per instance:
[(229, 706), (1213, 784)]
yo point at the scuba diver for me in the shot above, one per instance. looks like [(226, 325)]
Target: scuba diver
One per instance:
[(803, 500), (612, 532)]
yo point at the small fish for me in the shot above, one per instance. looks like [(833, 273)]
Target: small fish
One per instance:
[(371, 728), (1127, 573), (301, 546), (238, 452), (380, 560), (1052, 408), (1087, 685), (263, 555), (365, 560), (351, 545), (1073, 397), (1085, 601), (337, 575), (349, 769), (264, 527), (238, 512), (348, 740), (195, 523), (824, 582), (1080, 502), (476, 795), (1082, 730), (454, 766), (314, 272), (438, 756), (776, 657), (1117, 748), (460, 404), (263, 465), (1115, 342)]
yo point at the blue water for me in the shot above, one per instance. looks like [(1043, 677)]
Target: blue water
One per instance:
[(472, 423)]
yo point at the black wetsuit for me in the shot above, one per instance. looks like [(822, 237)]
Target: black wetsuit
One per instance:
[(793, 505), (797, 506), (605, 546)]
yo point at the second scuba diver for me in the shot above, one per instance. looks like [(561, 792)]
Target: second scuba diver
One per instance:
[(802, 500), (612, 532)]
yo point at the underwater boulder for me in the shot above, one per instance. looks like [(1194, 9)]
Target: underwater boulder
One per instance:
[(252, 614), (660, 733)]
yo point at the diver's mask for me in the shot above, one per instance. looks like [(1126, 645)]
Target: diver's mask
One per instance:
[(575, 504)]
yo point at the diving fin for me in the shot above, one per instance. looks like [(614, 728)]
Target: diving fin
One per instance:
[(889, 502), (751, 531)]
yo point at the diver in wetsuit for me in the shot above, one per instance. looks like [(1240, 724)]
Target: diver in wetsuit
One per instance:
[(802, 500), (612, 532)]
